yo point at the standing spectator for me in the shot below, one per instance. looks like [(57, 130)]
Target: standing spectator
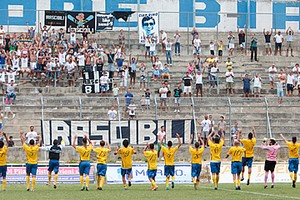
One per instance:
[(10, 90), (163, 97), (112, 114), (212, 48), (110, 61), (11, 142), (282, 78), (143, 78), (222, 125), (231, 43), (147, 47), (152, 50), (253, 47), (115, 91), (194, 34), (187, 82), (213, 78), (163, 40), (120, 61), (247, 83), (132, 69), (268, 35), (128, 99), (177, 43), (229, 81), (147, 98), (278, 38), (256, 85), (31, 135), (205, 124), (289, 41), (177, 97), (290, 83), (161, 141), (31, 31), (296, 71), (199, 82), (197, 46), (272, 75), (169, 52), (279, 92), (104, 80), (220, 50), (228, 63), (242, 41), (212, 123), (234, 132)]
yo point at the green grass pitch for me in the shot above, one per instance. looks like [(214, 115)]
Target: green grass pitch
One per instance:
[(142, 191)]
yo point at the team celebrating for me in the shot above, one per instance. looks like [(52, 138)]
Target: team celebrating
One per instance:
[(242, 154)]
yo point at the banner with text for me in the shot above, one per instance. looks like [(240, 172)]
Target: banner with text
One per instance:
[(80, 21), (148, 26), (55, 18), (104, 21), (68, 174), (136, 131)]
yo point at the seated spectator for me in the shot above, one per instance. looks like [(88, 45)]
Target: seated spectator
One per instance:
[(257, 85), (11, 142), (10, 91), (131, 110), (166, 72), (155, 73)]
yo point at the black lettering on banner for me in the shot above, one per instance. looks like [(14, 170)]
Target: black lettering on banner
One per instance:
[(55, 18)]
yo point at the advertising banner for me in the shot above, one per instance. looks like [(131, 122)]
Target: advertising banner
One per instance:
[(79, 21), (55, 18)]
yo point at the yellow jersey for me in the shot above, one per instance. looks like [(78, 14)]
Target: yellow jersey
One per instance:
[(151, 156), (220, 47), (102, 154), (210, 60), (237, 153), (215, 150), (293, 149), (169, 154), (196, 155), (85, 153), (3, 152), (31, 153), (249, 146), (126, 155)]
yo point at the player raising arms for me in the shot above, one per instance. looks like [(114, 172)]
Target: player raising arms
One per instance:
[(54, 155), (249, 154), (236, 163), (169, 153), (215, 144), (270, 163), (152, 165), (102, 154), (3, 167), (126, 156), (293, 158), (84, 165), (196, 159), (32, 157)]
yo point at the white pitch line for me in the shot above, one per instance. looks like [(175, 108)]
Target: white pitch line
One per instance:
[(255, 193)]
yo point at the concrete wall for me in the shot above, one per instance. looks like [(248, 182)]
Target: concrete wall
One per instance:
[(174, 14)]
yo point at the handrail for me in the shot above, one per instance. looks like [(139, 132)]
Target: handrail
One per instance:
[(42, 103), (80, 108), (155, 107), (3, 112), (218, 83), (229, 103), (194, 117), (268, 127), (119, 119)]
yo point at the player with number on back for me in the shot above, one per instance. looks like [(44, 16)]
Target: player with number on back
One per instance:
[(237, 153), (32, 157), (126, 155), (293, 158), (216, 143), (84, 165), (3, 153), (54, 156), (249, 154), (102, 154), (151, 155), (169, 153), (196, 160)]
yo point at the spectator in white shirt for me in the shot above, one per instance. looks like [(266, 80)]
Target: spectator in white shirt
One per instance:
[(256, 85), (289, 41), (31, 135), (296, 71), (199, 82), (229, 81), (112, 114), (104, 80), (290, 83), (163, 97), (278, 38), (164, 37), (272, 75), (206, 125), (197, 46)]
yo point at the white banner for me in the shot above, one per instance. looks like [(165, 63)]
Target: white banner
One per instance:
[(148, 26), (183, 173)]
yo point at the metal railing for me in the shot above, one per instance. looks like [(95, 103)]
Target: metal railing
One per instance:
[(268, 128)]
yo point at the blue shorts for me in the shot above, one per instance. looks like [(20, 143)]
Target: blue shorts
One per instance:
[(247, 162), (169, 170), (2, 66), (196, 170), (3, 170), (215, 167), (293, 164), (84, 167), (151, 173), (280, 93), (126, 171), (101, 169), (53, 166), (236, 167), (31, 169)]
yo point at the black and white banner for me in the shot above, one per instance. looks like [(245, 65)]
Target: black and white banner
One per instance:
[(80, 21), (104, 21), (55, 18), (91, 82), (136, 131), (148, 26)]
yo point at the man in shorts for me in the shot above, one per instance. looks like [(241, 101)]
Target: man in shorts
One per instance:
[(229, 81), (205, 124), (187, 81), (177, 96), (272, 75), (161, 139)]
